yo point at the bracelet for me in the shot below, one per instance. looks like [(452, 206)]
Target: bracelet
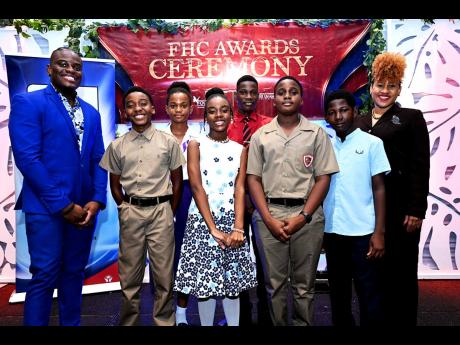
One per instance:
[(238, 230)]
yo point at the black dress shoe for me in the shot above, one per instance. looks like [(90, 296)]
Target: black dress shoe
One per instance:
[(183, 324)]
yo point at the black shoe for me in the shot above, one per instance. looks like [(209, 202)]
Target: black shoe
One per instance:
[(183, 324)]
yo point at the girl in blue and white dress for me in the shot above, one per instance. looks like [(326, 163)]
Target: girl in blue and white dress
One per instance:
[(215, 259)]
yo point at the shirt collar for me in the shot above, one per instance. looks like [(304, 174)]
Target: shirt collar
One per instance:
[(241, 117), (304, 124), (148, 133), (188, 135), (348, 137), (64, 99)]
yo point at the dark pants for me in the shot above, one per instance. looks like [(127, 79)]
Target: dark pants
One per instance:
[(58, 256), (400, 275), (347, 263), (263, 313), (181, 220)]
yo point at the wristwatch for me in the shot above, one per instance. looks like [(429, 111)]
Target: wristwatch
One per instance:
[(306, 216)]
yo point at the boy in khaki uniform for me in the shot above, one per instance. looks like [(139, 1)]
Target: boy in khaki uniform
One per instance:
[(145, 181), (289, 167)]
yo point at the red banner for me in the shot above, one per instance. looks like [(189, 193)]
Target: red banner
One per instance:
[(206, 59)]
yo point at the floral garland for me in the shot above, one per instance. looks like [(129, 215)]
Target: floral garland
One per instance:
[(78, 29)]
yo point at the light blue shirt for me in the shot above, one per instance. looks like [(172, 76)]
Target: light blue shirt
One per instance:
[(349, 204)]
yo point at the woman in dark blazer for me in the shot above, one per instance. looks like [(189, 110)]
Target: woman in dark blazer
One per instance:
[(405, 137)]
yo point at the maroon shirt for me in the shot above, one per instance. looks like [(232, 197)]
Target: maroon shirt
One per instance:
[(235, 129)]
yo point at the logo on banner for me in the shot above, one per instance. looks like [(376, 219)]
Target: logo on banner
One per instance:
[(266, 96), (199, 102), (307, 160)]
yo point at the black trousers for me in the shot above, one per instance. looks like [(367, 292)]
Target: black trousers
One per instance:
[(347, 263), (400, 275)]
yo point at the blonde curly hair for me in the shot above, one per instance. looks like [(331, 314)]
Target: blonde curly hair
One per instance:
[(389, 66)]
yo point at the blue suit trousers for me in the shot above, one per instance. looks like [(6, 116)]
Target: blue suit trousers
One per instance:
[(59, 253)]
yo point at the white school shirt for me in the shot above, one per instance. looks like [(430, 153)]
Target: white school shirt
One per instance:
[(189, 135)]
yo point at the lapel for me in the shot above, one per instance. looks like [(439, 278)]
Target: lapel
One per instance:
[(86, 131), (52, 94), (388, 115), (294, 134), (367, 120), (304, 126)]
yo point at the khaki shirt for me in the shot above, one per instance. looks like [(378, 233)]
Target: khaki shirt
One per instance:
[(143, 161), (288, 165)]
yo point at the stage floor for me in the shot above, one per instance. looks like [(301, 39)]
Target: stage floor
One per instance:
[(439, 306)]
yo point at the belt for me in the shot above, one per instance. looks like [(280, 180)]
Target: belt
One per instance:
[(286, 201), (143, 202)]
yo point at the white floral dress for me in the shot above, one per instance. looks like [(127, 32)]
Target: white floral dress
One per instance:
[(205, 269)]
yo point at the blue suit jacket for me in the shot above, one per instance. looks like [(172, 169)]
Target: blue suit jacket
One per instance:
[(46, 151)]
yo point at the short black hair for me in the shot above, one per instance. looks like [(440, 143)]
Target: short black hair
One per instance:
[(214, 91), (61, 49), (244, 78), (179, 86), (290, 78), (339, 94), (136, 89)]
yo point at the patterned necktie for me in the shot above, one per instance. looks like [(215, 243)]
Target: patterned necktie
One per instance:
[(246, 131)]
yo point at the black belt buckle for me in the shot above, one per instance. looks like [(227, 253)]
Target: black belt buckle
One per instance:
[(286, 202), (145, 202)]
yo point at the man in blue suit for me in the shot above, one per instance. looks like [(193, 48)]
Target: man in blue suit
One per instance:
[(57, 144)]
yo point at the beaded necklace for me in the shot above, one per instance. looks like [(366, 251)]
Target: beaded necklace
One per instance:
[(374, 116)]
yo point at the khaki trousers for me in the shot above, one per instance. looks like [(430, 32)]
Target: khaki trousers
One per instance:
[(291, 264), (146, 229)]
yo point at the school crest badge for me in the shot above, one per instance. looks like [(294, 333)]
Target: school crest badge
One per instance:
[(307, 160)]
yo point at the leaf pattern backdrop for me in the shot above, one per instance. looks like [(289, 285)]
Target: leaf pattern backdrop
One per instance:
[(432, 84)]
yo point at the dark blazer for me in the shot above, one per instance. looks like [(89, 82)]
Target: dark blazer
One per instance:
[(407, 145), (46, 151)]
